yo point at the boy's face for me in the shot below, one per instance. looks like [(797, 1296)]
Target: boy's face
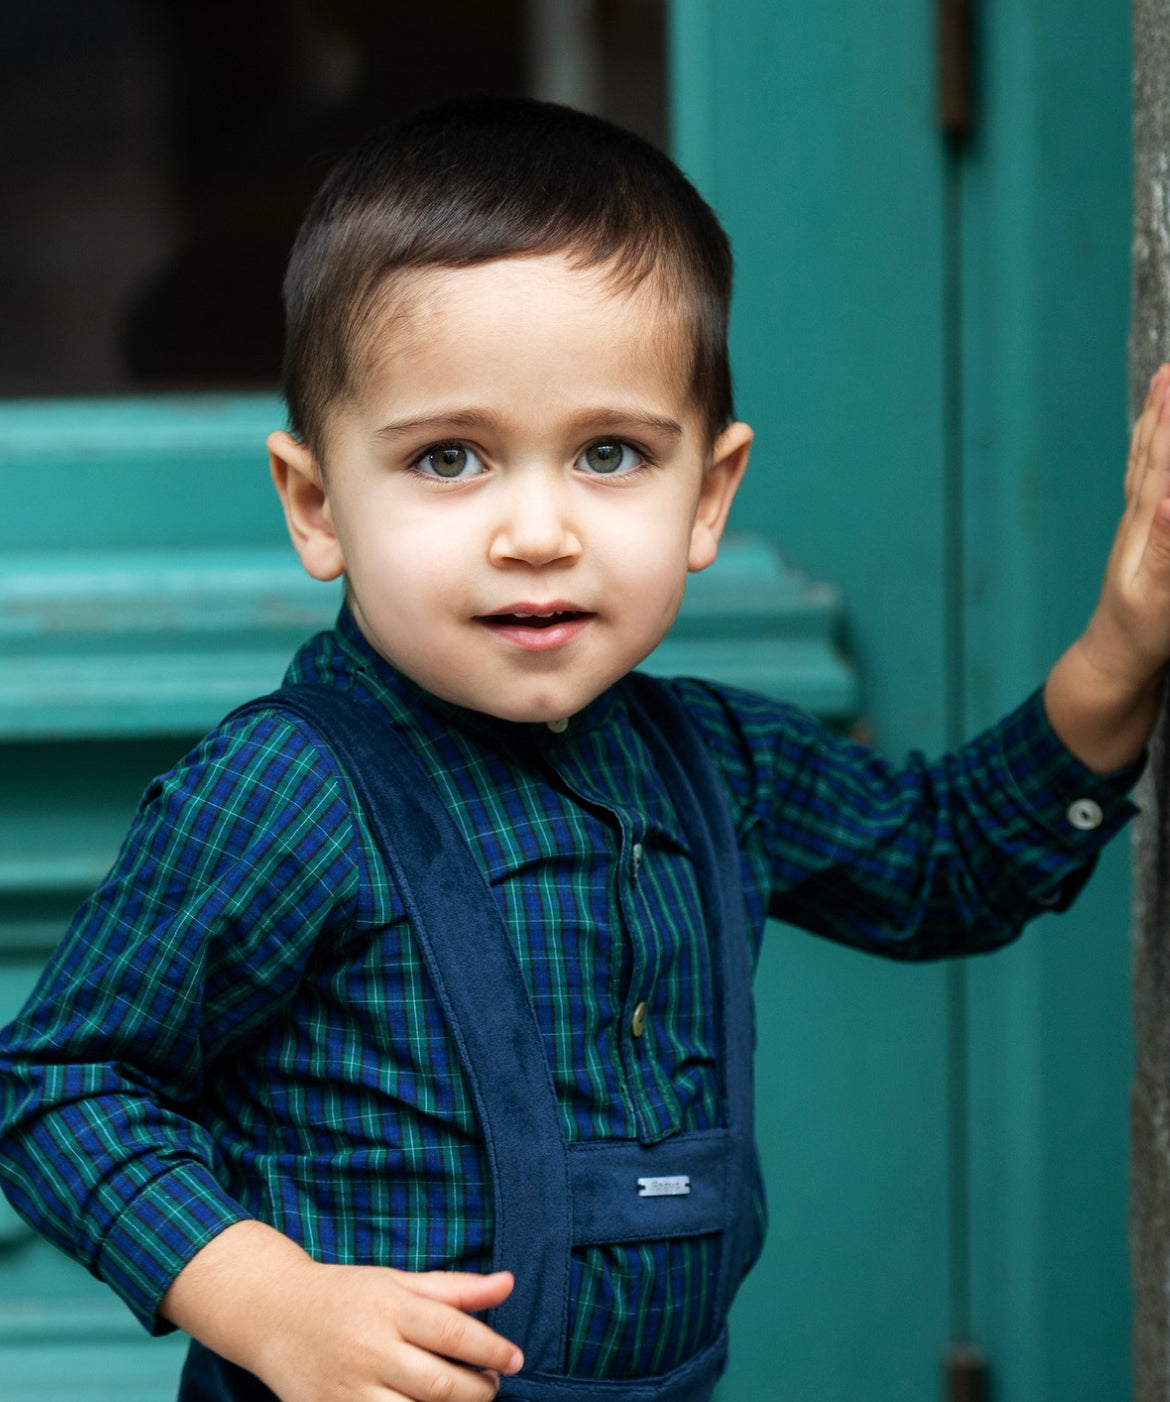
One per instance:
[(518, 491)]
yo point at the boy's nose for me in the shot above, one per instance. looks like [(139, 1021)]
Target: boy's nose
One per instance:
[(536, 529)]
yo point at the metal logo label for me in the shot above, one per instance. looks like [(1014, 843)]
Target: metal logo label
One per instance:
[(675, 1187)]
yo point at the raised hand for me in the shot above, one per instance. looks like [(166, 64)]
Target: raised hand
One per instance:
[(1103, 694)]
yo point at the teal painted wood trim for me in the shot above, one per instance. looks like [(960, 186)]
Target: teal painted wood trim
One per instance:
[(94, 1318), (14, 1231), (98, 1366), (126, 643), (177, 693), (810, 127), (127, 473), (690, 42), (815, 125), (812, 130), (101, 594), (1046, 199), (156, 694), (50, 430), (64, 809), (809, 674)]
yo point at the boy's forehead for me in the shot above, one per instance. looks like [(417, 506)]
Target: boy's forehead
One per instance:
[(509, 307)]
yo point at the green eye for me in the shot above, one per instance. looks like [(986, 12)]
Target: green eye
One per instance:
[(450, 460), (608, 458)]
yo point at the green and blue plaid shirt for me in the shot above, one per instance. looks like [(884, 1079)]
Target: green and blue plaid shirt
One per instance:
[(238, 1023)]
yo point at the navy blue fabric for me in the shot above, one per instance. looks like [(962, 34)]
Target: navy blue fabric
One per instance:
[(549, 1195), (693, 1382), (694, 785), (605, 1209), (209, 1378)]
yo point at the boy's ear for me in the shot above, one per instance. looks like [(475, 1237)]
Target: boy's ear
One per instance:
[(729, 459), (301, 489)]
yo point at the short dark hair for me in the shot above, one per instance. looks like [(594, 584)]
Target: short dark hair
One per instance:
[(493, 178)]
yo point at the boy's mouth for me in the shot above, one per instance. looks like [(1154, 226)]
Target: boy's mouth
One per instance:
[(523, 619), (537, 629)]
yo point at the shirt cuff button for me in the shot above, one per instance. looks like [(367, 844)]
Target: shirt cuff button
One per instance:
[(1085, 814)]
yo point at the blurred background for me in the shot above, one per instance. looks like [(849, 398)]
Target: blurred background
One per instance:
[(167, 149), (930, 206)]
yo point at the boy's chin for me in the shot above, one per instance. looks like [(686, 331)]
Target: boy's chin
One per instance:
[(522, 696), (551, 708), (554, 715)]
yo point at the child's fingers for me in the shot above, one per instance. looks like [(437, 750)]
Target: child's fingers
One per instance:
[(1156, 557), (1152, 484), (461, 1289), (420, 1375), (1151, 467), (444, 1338), (1139, 449)]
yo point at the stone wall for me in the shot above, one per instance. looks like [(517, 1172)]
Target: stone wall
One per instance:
[(1149, 345)]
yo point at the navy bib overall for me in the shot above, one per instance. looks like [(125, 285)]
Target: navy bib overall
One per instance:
[(551, 1195)]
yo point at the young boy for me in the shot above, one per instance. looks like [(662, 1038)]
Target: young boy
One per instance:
[(422, 990)]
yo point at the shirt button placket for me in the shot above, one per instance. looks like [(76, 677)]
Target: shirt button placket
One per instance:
[(638, 1020), (639, 1049)]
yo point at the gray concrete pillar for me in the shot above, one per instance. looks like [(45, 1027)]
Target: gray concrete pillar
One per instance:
[(1149, 345)]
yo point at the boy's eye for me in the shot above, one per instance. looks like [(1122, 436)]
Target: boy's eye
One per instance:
[(610, 456), (449, 461)]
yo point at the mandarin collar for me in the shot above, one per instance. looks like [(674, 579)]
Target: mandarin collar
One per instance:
[(415, 699)]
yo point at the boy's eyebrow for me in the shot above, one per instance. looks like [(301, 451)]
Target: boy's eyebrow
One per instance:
[(486, 418), (630, 417), (456, 418)]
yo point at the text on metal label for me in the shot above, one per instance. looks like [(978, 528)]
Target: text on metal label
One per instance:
[(664, 1187)]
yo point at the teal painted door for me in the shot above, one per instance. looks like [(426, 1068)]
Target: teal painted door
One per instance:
[(931, 347)]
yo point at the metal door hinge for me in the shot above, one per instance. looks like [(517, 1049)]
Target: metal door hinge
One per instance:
[(966, 1374), (956, 66)]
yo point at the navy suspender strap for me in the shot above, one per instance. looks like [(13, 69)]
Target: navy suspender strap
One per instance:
[(550, 1195), (477, 980)]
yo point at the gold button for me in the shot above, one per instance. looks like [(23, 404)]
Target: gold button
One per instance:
[(638, 1021), (558, 727)]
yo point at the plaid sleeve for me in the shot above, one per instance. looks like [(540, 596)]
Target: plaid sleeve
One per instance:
[(913, 861), (235, 861)]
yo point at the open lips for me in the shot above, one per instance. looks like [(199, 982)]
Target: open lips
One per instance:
[(536, 620), (537, 630)]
